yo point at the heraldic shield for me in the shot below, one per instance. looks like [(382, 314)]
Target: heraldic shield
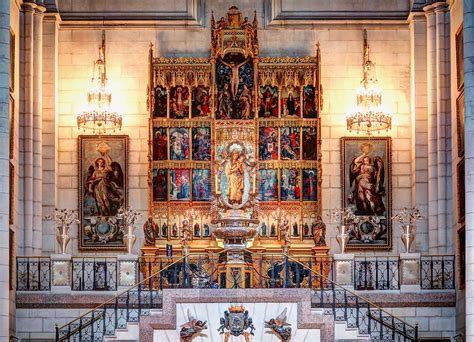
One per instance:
[(236, 321)]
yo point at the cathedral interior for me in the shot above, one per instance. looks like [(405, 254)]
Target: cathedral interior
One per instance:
[(214, 170)]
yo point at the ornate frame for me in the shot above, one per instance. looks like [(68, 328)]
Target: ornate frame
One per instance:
[(81, 139), (388, 174), (461, 195), (461, 247), (460, 122), (459, 57)]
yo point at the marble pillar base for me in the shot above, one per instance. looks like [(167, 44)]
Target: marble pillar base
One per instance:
[(410, 272), (344, 270), (127, 271), (61, 273)]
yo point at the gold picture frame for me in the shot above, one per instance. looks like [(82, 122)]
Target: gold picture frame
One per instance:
[(372, 229), (103, 160)]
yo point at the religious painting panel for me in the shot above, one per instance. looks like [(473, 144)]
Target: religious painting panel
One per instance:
[(309, 102), (179, 143), (160, 185), (102, 191), (290, 185), (366, 179), (201, 143), (179, 102), (460, 123), (180, 183), (460, 173), (309, 221), (161, 102), (201, 185), (160, 143), (310, 185), (460, 58), (201, 102), (234, 90), (290, 143), (268, 143), (290, 102), (310, 141), (295, 225), (268, 185), (268, 102)]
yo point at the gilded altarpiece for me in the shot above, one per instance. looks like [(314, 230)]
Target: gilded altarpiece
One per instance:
[(259, 115)]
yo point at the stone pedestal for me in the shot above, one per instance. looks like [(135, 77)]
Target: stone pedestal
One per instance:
[(61, 273), (127, 271), (410, 272), (344, 270)]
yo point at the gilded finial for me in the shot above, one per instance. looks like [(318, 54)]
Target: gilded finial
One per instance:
[(255, 21)]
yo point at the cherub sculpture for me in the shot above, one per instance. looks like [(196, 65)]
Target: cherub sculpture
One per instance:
[(280, 327), (192, 328)]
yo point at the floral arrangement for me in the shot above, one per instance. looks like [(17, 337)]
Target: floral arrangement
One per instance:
[(408, 216)]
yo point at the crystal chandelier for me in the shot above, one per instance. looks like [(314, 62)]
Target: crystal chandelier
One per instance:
[(98, 117), (369, 116)]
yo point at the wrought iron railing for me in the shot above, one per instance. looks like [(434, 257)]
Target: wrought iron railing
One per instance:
[(437, 272), (94, 274), (376, 273), (33, 274)]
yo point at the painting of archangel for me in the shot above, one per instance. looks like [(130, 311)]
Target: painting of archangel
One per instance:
[(179, 143), (268, 106), (103, 180), (201, 143), (309, 143), (366, 189), (234, 90), (201, 185), (290, 102), (161, 101), (309, 102), (268, 185), (310, 185), (268, 143), (201, 102), (179, 102), (290, 185), (160, 185), (290, 143), (160, 143), (180, 185)]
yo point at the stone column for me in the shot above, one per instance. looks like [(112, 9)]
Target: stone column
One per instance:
[(432, 130), (37, 127), (419, 124), (469, 160), (26, 122), (4, 167)]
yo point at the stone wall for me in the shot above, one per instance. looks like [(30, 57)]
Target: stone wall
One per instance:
[(341, 48)]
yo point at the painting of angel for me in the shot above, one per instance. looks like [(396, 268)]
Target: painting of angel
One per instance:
[(310, 185), (160, 185), (179, 102), (161, 102), (290, 143), (268, 102), (103, 180), (201, 143), (201, 102), (180, 185), (160, 143), (268, 185), (290, 102), (201, 185), (366, 189), (290, 185), (268, 143), (309, 102), (309, 143), (179, 143)]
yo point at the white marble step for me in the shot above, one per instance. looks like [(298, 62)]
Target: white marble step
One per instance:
[(130, 334), (343, 333)]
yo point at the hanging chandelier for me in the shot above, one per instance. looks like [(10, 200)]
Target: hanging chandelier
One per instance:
[(369, 116), (98, 117)]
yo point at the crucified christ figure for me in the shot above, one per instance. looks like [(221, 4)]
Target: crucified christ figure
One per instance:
[(234, 79)]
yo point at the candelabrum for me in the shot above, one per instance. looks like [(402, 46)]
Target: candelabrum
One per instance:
[(343, 216), (63, 219), (129, 217), (407, 217)]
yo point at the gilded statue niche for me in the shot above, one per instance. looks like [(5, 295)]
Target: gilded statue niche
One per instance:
[(235, 133)]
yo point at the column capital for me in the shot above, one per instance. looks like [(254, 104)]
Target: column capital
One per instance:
[(28, 6), (416, 16), (441, 6)]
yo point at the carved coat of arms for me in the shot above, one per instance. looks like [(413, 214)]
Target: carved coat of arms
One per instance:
[(236, 322)]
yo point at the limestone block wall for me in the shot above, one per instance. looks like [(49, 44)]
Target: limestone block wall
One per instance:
[(341, 48)]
